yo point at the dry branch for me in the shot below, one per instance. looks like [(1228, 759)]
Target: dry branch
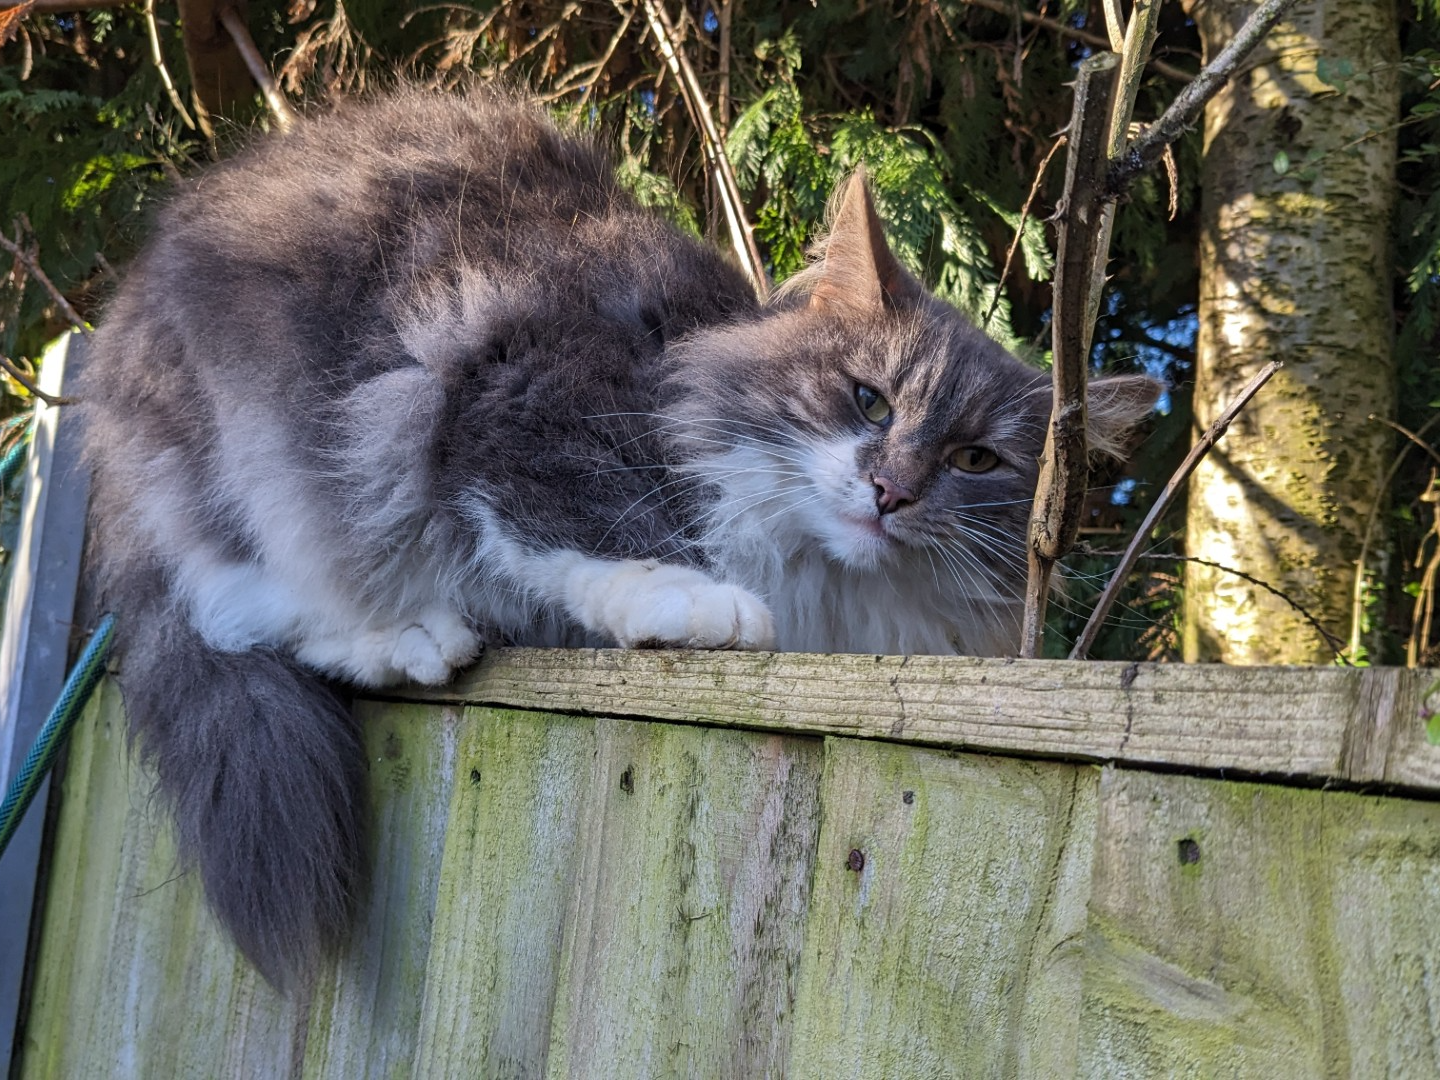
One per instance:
[(1357, 597), (1099, 41), (1064, 469), (724, 176), (158, 56), (28, 382), (29, 262), (1172, 488), (1185, 110), (1020, 231), (240, 35)]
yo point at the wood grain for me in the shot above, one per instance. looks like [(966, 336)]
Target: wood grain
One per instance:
[(1358, 726), (1249, 930), (934, 904)]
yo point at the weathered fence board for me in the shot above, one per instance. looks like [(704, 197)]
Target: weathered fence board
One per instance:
[(566, 895), (1355, 725), (933, 877), (1250, 930)]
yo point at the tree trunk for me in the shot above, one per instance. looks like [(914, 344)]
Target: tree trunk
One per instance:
[(1294, 265)]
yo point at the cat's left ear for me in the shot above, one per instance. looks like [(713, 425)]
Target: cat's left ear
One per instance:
[(1114, 407), (860, 275)]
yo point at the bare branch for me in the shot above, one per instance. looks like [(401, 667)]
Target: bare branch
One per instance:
[(740, 234), (1412, 436), (59, 7), (1020, 230), (240, 35), (26, 380), (1330, 639), (159, 57), (1167, 496), (1357, 597), (1099, 41), (1064, 467), (1114, 25), (71, 315), (1185, 110)]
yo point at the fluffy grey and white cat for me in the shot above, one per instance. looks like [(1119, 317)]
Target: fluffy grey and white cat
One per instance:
[(420, 376)]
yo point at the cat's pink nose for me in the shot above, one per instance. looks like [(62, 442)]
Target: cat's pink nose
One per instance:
[(890, 496)]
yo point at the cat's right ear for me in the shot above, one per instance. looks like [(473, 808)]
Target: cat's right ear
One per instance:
[(860, 276)]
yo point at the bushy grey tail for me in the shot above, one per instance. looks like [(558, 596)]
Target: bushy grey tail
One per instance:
[(261, 763)]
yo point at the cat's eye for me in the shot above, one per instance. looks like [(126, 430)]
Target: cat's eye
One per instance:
[(875, 407), (973, 459)]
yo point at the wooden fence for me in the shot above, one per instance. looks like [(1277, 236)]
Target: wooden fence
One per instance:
[(604, 864)]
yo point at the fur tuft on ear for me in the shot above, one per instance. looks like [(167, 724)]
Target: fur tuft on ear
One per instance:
[(1114, 407), (859, 275)]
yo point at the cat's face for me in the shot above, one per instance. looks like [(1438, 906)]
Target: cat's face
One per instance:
[(917, 432), (880, 441), (877, 423)]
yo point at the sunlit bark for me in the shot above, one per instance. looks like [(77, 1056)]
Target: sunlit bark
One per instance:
[(1299, 187)]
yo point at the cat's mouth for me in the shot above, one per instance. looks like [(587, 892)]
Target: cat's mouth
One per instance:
[(872, 528)]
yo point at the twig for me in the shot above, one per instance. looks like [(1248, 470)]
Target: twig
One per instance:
[(1167, 496), (158, 57), (1060, 491), (245, 44), (14, 371), (10, 20), (1335, 643), (60, 7), (1020, 230), (1357, 596), (722, 93), (1114, 25), (591, 72), (1412, 436), (1419, 643), (1099, 41), (1188, 104), (71, 315), (740, 234)]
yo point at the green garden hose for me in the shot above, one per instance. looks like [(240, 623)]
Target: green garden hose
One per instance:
[(78, 687)]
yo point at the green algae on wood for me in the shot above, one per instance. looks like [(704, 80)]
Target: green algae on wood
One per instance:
[(666, 874), (934, 883)]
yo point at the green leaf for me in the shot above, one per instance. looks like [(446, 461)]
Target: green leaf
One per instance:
[(1281, 163)]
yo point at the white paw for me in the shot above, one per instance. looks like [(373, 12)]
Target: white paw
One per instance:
[(683, 608), (430, 651), (427, 650), (458, 643)]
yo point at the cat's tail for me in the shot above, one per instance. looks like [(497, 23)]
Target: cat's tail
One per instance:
[(262, 765)]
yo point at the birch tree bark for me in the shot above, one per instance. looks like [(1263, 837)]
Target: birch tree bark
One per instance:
[(1299, 188)]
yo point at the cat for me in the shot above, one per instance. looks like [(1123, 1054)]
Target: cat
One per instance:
[(420, 376)]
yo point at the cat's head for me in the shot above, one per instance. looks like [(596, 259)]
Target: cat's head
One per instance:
[(867, 417)]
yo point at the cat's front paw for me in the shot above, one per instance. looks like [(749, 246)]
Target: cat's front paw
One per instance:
[(676, 607)]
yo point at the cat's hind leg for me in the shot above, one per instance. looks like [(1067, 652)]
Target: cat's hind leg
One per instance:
[(427, 648)]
